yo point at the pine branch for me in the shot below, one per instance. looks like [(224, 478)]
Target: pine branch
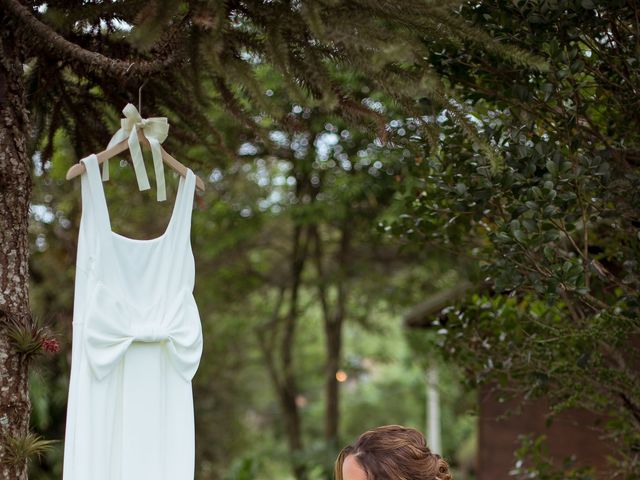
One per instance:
[(57, 47), (231, 104)]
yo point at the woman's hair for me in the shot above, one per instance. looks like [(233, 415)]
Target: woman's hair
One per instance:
[(393, 452)]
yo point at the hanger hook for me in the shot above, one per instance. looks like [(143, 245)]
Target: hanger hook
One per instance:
[(140, 96)]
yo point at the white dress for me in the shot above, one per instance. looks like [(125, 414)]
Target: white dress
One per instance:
[(137, 342)]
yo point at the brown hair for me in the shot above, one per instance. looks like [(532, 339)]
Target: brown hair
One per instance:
[(394, 452)]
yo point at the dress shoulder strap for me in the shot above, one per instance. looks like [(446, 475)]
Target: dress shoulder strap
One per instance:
[(94, 203), (184, 205)]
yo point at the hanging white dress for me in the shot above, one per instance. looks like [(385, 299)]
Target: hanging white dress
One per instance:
[(137, 342)]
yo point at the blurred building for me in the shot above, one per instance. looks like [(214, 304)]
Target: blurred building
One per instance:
[(570, 435)]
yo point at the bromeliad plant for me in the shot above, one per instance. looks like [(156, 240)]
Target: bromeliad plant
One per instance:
[(30, 337), (21, 449)]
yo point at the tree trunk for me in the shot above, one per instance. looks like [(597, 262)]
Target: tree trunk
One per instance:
[(289, 389), (333, 321), (333, 331), (279, 355), (293, 428), (15, 193), (333, 334)]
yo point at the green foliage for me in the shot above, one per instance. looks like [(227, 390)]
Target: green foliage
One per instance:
[(555, 230), (533, 461), (244, 469), (537, 345)]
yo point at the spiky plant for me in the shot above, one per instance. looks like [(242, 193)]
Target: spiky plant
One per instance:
[(27, 336), (20, 449)]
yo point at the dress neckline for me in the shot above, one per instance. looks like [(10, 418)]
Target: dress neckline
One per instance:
[(174, 212)]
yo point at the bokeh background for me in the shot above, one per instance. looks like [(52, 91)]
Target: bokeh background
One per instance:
[(415, 214)]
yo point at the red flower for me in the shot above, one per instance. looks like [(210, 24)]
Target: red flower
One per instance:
[(50, 345)]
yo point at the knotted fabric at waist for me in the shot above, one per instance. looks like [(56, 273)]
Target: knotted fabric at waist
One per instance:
[(112, 324), (150, 334)]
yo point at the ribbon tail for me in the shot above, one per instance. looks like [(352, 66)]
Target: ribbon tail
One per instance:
[(156, 151), (105, 170), (117, 138), (105, 164), (138, 162)]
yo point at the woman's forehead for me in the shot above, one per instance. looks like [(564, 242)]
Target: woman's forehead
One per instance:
[(352, 470)]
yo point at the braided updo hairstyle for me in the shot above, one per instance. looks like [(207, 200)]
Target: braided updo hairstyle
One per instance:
[(394, 452)]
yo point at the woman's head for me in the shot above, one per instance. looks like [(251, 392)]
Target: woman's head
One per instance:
[(391, 452)]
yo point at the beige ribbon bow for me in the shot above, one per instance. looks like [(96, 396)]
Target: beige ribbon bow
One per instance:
[(156, 129)]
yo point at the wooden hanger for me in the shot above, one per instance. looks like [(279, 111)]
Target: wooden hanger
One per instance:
[(174, 164)]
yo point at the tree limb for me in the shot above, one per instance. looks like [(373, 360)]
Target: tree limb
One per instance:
[(56, 46)]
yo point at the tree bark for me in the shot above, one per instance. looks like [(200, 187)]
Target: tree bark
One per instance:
[(15, 194)]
